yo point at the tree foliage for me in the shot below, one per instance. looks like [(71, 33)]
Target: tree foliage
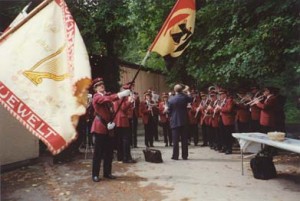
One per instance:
[(236, 42)]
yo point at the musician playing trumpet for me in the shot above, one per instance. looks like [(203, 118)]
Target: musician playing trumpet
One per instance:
[(268, 108), (203, 114), (213, 126), (164, 119), (147, 111), (193, 118), (254, 110), (228, 119), (243, 114), (133, 114)]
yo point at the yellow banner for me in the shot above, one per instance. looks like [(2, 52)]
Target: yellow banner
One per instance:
[(44, 75)]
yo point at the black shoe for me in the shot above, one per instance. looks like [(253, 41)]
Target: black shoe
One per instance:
[(166, 145), (174, 158), (222, 150), (110, 176), (228, 152), (129, 161), (135, 146), (184, 158), (151, 145), (96, 179)]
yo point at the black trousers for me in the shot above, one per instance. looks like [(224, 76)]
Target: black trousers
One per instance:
[(243, 127), (149, 132), (103, 150), (133, 130), (228, 139), (155, 126), (266, 129), (167, 133), (193, 130), (218, 139), (180, 133), (124, 151), (204, 133), (255, 126), (211, 136)]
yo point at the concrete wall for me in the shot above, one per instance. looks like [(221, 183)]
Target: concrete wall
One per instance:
[(144, 80), (16, 142)]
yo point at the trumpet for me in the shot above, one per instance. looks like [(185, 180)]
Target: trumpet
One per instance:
[(165, 111), (256, 99), (150, 106), (243, 99), (219, 105), (202, 104)]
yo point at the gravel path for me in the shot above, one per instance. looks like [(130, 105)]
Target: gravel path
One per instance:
[(207, 175)]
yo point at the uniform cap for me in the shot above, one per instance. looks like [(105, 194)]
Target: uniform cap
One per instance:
[(164, 94), (212, 93), (223, 91), (98, 81), (147, 93)]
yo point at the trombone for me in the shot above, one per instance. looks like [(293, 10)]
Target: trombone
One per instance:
[(252, 102)]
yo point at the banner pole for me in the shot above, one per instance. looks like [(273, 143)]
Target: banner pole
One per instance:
[(131, 83), (28, 17)]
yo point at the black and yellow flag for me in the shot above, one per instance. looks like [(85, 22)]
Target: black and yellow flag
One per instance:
[(175, 34)]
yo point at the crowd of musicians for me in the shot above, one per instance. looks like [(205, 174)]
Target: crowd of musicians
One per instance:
[(216, 111), (219, 112)]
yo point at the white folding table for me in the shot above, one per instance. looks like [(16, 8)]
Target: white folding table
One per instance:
[(253, 143)]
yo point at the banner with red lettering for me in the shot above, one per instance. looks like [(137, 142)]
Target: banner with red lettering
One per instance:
[(44, 75)]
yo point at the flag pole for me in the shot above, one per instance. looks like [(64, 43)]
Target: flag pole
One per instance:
[(26, 19), (131, 83)]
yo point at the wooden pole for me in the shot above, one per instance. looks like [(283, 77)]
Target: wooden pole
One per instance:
[(26, 19), (131, 83)]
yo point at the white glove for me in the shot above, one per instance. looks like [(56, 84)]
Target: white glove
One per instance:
[(124, 93), (111, 125)]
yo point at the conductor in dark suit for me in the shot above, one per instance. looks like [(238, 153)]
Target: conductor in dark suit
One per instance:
[(177, 107)]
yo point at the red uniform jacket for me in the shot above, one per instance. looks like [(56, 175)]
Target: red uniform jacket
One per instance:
[(228, 112), (121, 119), (192, 113), (255, 112), (102, 106), (215, 115), (163, 116), (202, 112), (243, 114), (135, 107), (267, 113), (145, 113)]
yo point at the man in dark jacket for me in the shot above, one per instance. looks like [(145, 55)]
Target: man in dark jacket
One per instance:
[(177, 107)]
